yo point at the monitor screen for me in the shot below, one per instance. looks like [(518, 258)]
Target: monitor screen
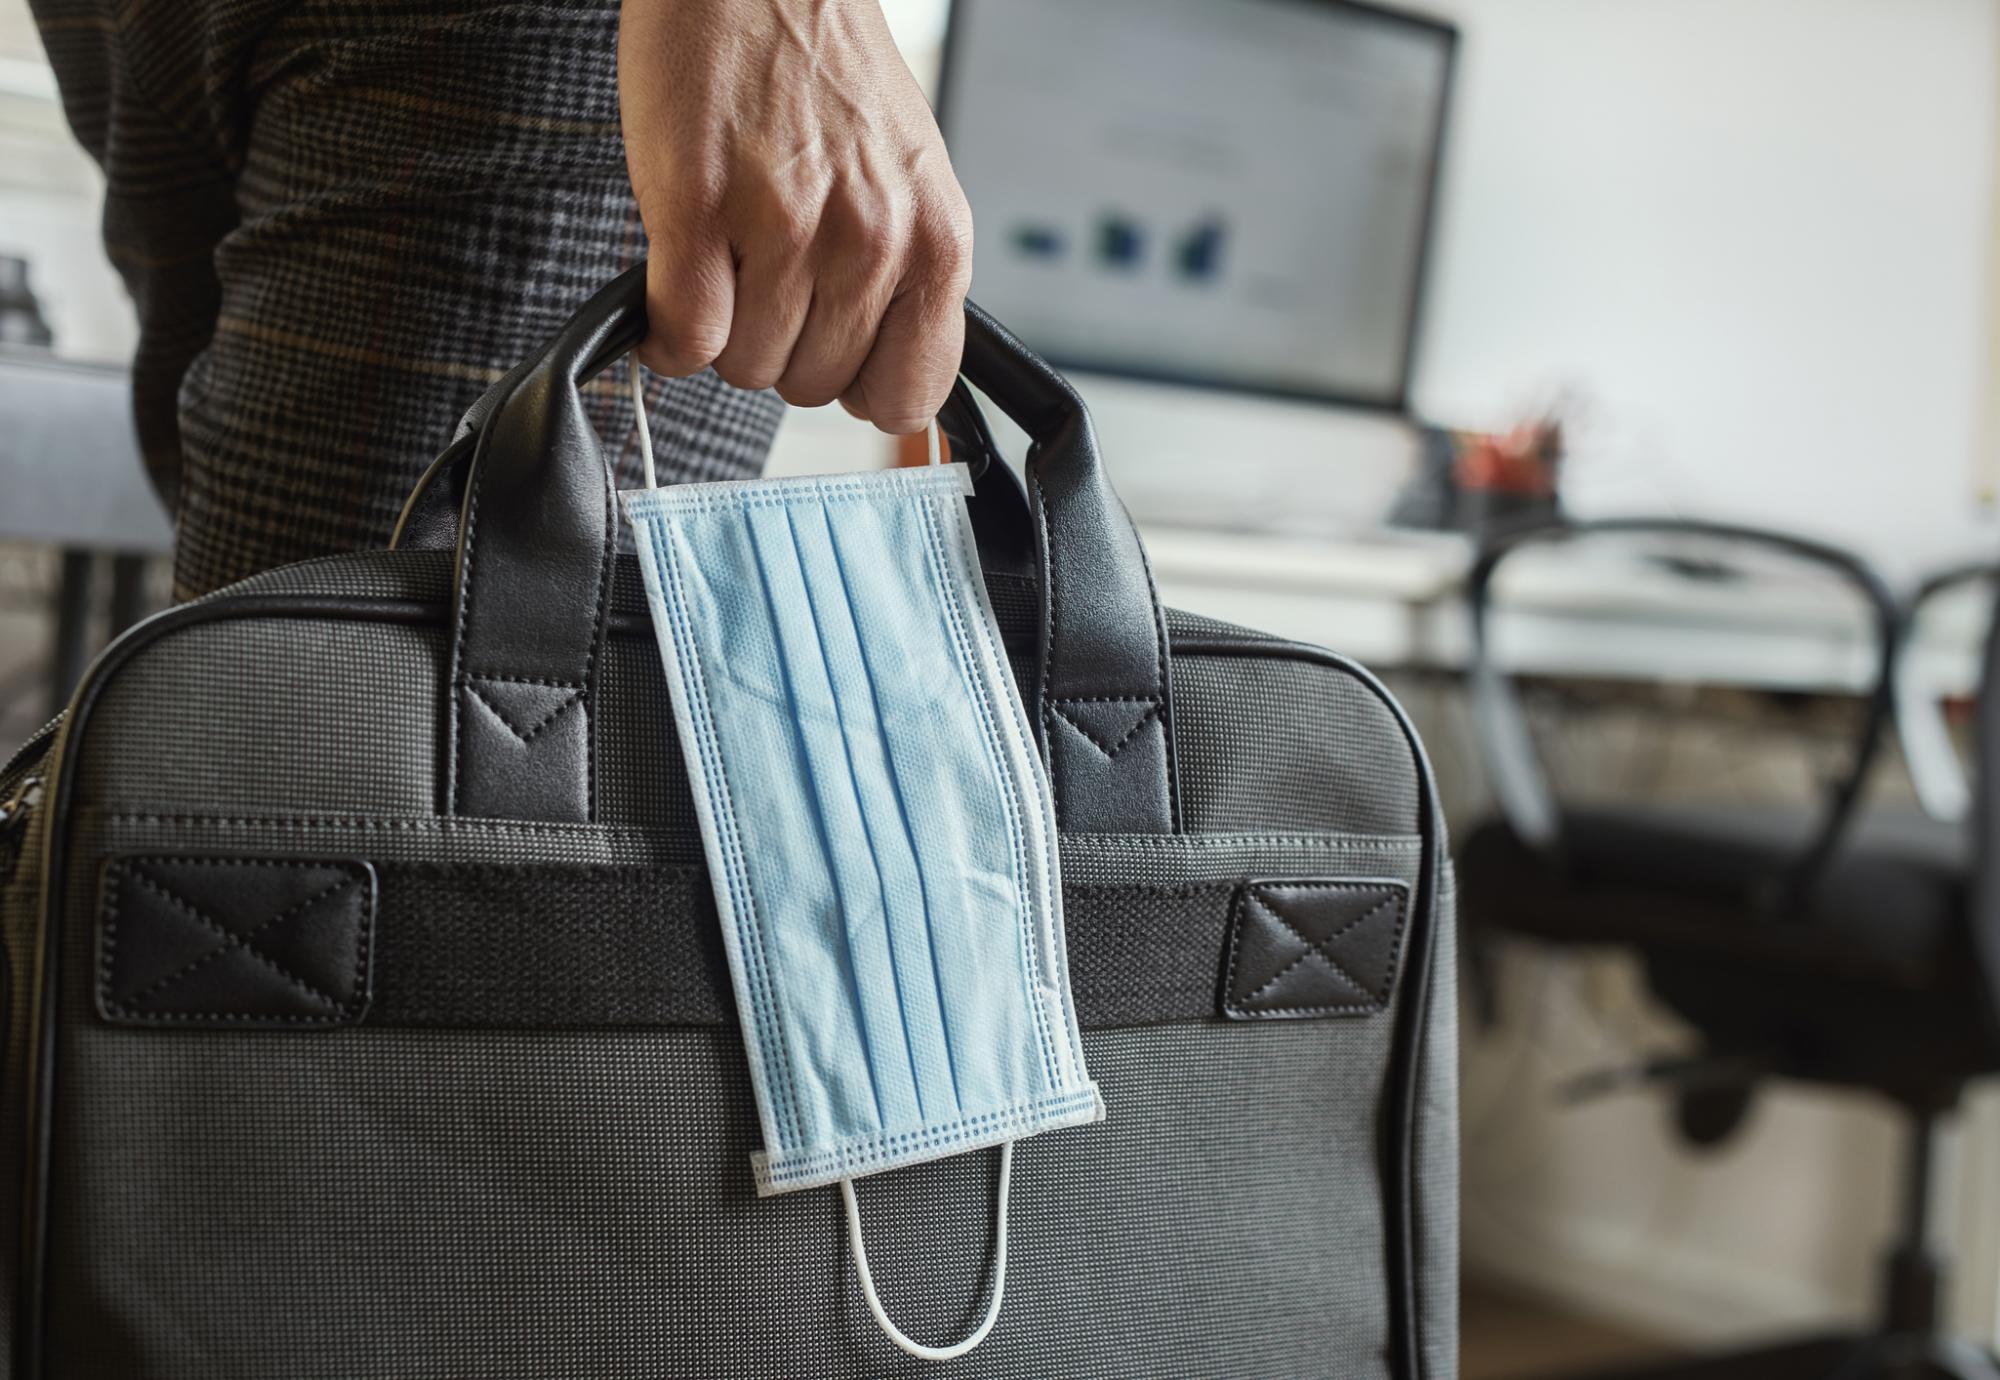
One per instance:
[(1228, 192)]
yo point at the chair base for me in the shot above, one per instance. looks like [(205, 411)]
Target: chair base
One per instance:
[(1867, 1357)]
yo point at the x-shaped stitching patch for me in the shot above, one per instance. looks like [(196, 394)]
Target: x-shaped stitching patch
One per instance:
[(1316, 950), (237, 941)]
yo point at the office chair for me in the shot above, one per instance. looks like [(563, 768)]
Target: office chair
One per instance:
[(1941, 783), (1862, 951)]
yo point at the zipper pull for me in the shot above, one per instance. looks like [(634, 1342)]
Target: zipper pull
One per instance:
[(16, 808)]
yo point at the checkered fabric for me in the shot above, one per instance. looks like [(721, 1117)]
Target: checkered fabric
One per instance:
[(339, 224)]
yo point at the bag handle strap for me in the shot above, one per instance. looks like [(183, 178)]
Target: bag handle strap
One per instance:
[(537, 532)]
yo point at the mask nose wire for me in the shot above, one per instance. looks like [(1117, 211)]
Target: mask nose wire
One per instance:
[(933, 451), (889, 1329)]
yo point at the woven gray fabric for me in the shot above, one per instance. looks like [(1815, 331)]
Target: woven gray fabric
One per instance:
[(419, 575), (1181, 859), (339, 224), (645, 781), (1272, 744), (499, 1204), (1197, 625), (344, 716)]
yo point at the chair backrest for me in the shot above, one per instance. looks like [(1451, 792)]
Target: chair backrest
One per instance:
[(1947, 615), (1983, 847), (1514, 768), (1953, 611)]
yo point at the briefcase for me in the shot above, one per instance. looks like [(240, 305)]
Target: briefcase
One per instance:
[(368, 1014)]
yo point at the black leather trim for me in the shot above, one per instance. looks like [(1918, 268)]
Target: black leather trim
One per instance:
[(964, 425), (999, 505), (1306, 948), (536, 540), (429, 520), (1001, 523), (1103, 637), (233, 942), (1397, 1138)]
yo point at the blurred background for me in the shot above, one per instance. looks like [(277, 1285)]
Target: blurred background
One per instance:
[(1355, 295)]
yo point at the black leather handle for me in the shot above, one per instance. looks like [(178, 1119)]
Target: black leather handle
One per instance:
[(1104, 707), (532, 584), (536, 536)]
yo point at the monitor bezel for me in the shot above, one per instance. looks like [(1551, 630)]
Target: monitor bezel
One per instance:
[(1397, 402)]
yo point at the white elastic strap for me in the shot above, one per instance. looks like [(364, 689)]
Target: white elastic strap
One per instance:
[(645, 427), (933, 451), (889, 1329)]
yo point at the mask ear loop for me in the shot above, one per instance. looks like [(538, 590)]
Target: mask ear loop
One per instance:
[(889, 1329), (645, 427), (933, 456)]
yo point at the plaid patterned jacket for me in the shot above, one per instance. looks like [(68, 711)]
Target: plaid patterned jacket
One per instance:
[(339, 222)]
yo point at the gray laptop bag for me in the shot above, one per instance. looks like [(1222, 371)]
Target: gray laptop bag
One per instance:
[(367, 1015)]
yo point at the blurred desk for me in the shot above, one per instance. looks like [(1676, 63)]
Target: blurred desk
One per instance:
[(70, 477), (1394, 601)]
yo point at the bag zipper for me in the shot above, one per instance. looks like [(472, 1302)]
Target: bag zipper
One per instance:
[(38, 744), (16, 809), (22, 787)]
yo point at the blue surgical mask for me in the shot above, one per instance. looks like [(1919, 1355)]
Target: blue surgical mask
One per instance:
[(877, 823)]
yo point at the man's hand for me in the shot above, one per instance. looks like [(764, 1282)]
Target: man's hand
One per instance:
[(806, 230)]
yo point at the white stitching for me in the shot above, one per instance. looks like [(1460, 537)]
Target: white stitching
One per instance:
[(570, 701), (231, 938)]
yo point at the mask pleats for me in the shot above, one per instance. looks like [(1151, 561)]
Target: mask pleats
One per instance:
[(880, 836)]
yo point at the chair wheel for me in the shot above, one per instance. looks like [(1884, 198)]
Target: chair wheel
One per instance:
[(1706, 1116)]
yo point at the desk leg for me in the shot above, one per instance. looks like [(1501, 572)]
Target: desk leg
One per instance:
[(72, 643)]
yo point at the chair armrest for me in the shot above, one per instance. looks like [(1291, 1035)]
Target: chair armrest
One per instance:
[(1521, 787), (1935, 771)]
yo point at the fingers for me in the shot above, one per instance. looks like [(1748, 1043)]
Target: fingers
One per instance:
[(838, 295), (690, 302), (774, 291), (860, 262), (916, 354)]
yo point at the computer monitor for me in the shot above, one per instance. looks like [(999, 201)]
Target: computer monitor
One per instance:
[(1233, 193)]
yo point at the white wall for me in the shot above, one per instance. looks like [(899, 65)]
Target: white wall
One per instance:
[(1751, 234), (51, 199)]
